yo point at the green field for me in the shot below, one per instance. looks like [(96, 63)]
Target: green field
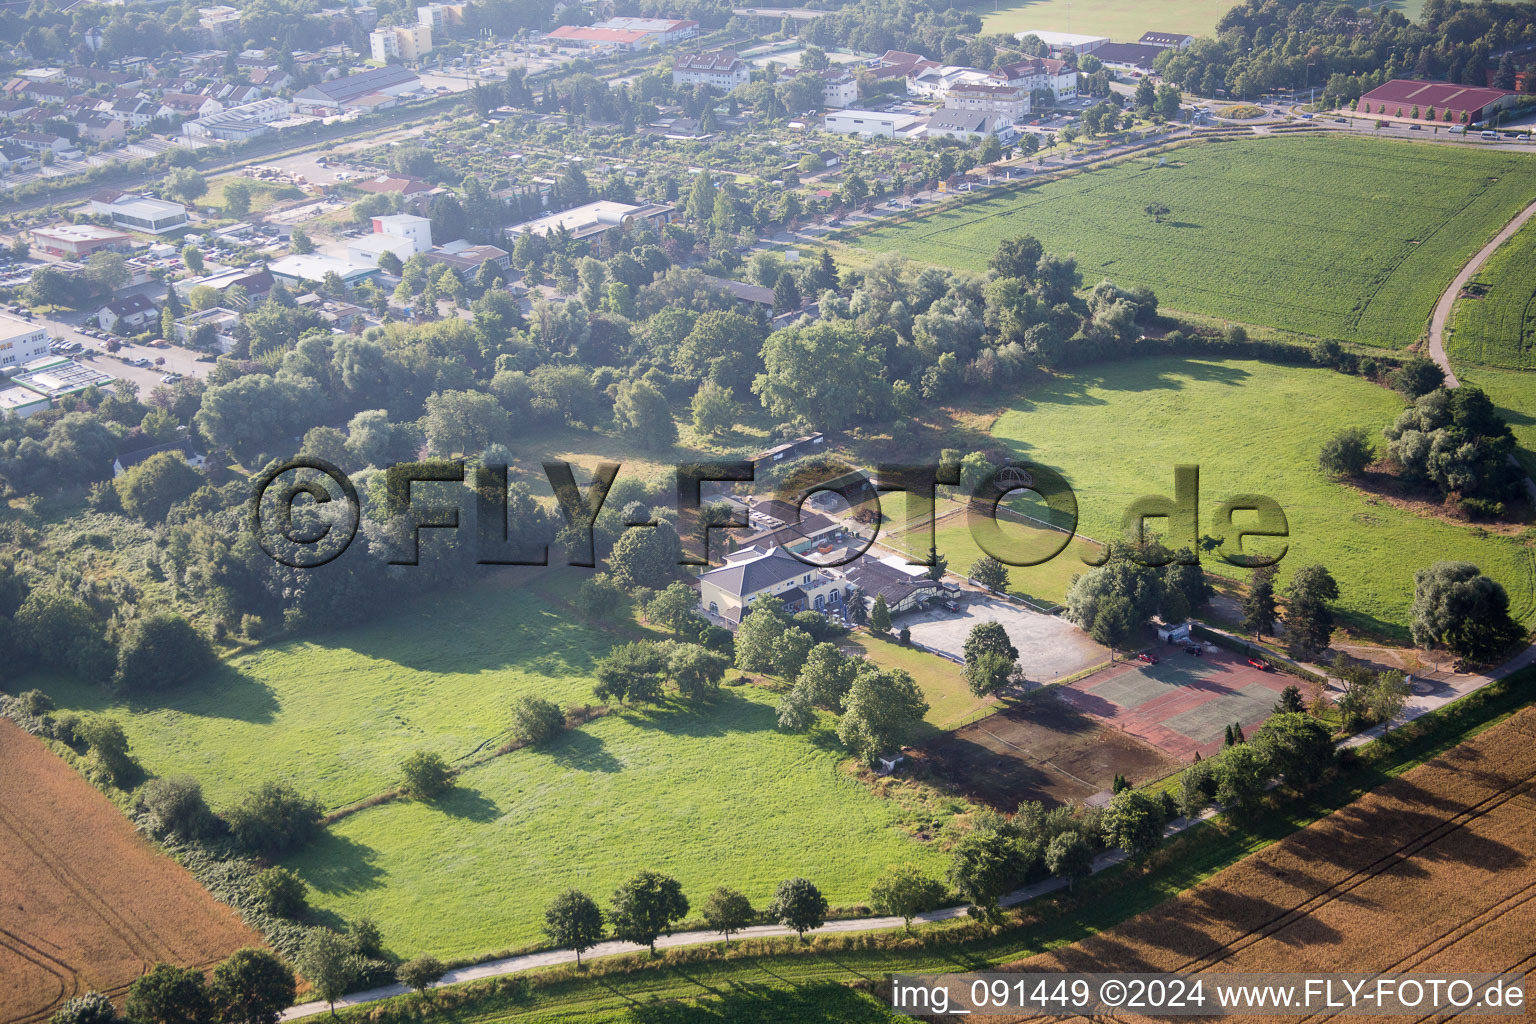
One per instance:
[(1121, 20), (710, 796), (1514, 392), (335, 715), (1116, 432), (1499, 328), (1346, 238)]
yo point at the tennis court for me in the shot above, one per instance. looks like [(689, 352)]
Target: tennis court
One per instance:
[(1183, 704)]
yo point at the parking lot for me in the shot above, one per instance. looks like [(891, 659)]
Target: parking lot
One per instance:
[(1050, 647)]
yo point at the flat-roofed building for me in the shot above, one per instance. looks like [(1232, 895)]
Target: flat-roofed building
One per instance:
[(1064, 42), (57, 377), (141, 213), (79, 239), (21, 341), (594, 220), (876, 123)]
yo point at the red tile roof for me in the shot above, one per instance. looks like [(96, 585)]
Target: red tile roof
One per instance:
[(1433, 94)]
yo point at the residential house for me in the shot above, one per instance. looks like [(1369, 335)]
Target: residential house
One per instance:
[(213, 327), (1004, 102), (730, 591), (1129, 56), (466, 260), (1166, 40), (127, 315), (182, 104), (94, 126), (838, 88), (722, 70), (968, 124)]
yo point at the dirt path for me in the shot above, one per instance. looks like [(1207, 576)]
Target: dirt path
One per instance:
[(1442, 314)]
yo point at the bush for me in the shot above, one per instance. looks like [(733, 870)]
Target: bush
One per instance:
[(160, 650), (421, 973), (280, 892), (275, 818), (90, 1008), (427, 775), (109, 760), (35, 702), (177, 806), (1347, 453), (535, 719), (1417, 377)]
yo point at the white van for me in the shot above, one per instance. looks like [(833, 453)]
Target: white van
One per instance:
[(1490, 135)]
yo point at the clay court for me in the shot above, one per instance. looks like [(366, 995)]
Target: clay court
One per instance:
[(85, 903), (1042, 750), (1183, 704)]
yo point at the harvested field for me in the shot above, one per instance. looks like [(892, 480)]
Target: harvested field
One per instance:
[(87, 903), (1433, 872), (1041, 750)]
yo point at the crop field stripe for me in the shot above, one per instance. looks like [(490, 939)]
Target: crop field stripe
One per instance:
[(1460, 930), (1360, 876), (67, 977), (1323, 236), (136, 936)]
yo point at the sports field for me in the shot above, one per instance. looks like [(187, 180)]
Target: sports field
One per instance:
[(1349, 238), (88, 903), (711, 796), (1043, 749), (1182, 704), (1117, 431), (1433, 872), (1494, 321), (1121, 20)]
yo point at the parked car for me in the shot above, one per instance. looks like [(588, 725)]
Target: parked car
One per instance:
[(1262, 666), (1150, 659), (170, 378), (1194, 649)]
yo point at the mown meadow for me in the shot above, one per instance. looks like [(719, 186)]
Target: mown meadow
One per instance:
[(1339, 237), (1117, 431)]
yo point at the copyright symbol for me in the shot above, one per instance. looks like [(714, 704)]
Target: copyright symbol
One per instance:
[(304, 535), (1112, 993)]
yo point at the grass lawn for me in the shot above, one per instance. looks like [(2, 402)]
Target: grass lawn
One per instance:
[(1121, 20), (1499, 329), (1117, 431), (951, 703), (337, 714), (1347, 238), (716, 795)]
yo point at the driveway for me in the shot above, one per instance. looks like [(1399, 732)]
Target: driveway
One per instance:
[(1049, 646)]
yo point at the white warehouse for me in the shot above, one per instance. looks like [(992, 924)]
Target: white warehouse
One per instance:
[(872, 122)]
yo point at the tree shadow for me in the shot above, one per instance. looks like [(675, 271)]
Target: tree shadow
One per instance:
[(225, 692), (579, 750), (470, 804), (335, 864)]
